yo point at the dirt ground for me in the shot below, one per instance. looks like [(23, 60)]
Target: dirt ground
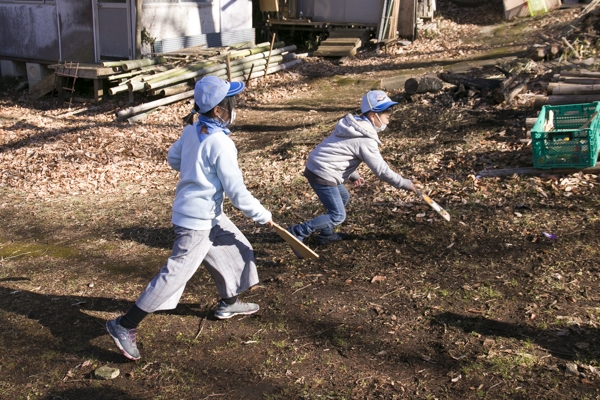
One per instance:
[(500, 302)]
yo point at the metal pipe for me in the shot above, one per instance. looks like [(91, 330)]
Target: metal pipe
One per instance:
[(383, 14)]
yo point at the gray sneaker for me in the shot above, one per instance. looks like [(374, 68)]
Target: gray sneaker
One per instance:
[(225, 311), (124, 338)]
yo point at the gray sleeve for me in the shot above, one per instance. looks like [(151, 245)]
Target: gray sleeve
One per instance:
[(372, 157)]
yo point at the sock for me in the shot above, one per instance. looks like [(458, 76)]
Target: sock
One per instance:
[(132, 319), (229, 301)]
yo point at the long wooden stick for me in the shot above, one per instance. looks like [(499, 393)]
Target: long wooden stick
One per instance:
[(270, 52)]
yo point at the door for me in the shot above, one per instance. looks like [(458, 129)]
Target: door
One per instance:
[(114, 38)]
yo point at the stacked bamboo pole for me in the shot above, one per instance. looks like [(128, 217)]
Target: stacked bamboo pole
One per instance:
[(571, 87), (158, 77)]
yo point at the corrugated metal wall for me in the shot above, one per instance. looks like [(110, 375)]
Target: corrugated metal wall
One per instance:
[(217, 39)]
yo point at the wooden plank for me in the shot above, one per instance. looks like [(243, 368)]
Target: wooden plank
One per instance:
[(350, 42), (43, 87), (407, 19), (391, 32), (335, 52), (87, 71), (348, 33)]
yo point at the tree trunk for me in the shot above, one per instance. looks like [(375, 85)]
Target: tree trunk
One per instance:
[(423, 85)]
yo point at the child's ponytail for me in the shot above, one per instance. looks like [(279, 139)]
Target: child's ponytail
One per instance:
[(189, 119)]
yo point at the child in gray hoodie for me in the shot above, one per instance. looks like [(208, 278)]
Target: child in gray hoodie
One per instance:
[(335, 160)]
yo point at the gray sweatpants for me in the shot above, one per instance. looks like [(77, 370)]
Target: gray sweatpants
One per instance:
[(224, 251)]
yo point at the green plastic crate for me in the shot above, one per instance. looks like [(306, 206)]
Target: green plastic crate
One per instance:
[(567, 145)]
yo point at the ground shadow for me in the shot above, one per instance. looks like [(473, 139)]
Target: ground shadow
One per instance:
[(67, 321), (563, 343)]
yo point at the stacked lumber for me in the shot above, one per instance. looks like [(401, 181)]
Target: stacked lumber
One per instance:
[(571, 87), (172, 78), (342, 43)]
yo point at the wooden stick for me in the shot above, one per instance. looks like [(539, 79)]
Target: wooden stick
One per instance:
[(570, 46), (270, 51), (228, 60)]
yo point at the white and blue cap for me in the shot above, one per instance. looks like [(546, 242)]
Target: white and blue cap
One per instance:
[(376, 101), (211, 90)]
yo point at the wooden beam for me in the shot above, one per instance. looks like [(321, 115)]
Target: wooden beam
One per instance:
[(43, 87), (407, 19), (489, 173)]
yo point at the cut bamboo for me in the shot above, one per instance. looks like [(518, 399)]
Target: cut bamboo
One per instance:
[(271, 70), (183, 77), (569, 88), (153, 104), (179, 71), (132, 64)]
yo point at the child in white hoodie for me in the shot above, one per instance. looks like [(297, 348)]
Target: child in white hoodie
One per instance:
[(335, 160), (206, 159)]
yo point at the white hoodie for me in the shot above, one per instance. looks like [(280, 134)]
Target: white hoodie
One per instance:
[(208, 171)]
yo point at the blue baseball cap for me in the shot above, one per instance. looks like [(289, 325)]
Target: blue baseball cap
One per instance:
[(376, 101), (211, 90)]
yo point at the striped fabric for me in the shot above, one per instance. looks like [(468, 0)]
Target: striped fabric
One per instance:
[(225, 253)]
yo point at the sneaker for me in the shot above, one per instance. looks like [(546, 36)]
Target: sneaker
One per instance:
[(124, 338), (292, 230), (334, 237), (225, 311)]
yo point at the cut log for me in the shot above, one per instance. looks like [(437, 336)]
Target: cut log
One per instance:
[(423, 84), (578, 81), (584, 73), (569, 88), (541, 100)]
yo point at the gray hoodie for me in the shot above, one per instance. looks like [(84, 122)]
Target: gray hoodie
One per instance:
[(353, 141)]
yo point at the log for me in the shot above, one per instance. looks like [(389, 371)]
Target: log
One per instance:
[(536, 171), (133, 64), (584, 73), (568, 88), (472, 83), (579, 81), (541, 100), (423, 84), (124, 114)]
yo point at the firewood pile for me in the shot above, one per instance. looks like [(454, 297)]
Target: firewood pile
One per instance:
[(571, 87), (172, 77)]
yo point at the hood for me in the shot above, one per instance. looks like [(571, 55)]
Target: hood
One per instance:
[(352, 126)]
